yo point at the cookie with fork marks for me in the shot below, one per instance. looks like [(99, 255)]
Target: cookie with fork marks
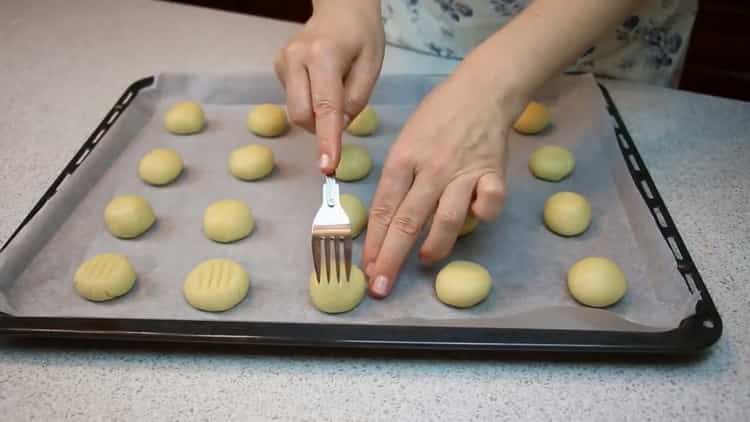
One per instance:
[(216, 285), (335, 295)]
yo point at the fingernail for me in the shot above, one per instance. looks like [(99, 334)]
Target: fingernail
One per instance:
[(325, 160), (380, 286)]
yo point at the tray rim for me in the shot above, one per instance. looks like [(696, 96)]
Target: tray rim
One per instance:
[(694, 334)]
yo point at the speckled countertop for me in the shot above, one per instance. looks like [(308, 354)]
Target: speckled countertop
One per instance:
[(62, 64)]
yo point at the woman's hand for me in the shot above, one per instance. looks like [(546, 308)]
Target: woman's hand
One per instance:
[(329, 69), (449, 159)]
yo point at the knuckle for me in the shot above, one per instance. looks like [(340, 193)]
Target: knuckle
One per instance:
[(322, 47), (355, 104), (323, 105), (434, 168), (381, 215), (398, 159), (437, 168), (495, 192), (449, 219), (295, 50), (406, 225)]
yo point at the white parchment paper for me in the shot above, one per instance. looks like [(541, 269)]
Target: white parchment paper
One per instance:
[(527, 262)]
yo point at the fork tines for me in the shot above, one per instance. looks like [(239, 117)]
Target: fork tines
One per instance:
[(332, 228), (333, 241)]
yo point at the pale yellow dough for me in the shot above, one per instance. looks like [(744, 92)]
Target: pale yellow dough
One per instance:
[(227, 221), (335, 296), (567, 213), (365, 124), (463, 284), (128, 216), (356, 212), (551, 163), (534, 119), (216, 285), (104, 277), (268, 120), (160, 166), (597, 282), (184, 118), (355, 163), (251, 162), (470, 224)]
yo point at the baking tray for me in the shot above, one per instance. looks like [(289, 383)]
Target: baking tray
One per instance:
[(35, 277)]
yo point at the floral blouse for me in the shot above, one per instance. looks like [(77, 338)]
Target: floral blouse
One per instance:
[(649, 46)]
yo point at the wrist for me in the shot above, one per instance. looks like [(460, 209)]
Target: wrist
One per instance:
[(496, 82)]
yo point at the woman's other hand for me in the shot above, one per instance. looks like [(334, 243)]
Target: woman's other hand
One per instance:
[(329, 69), (448, 160)]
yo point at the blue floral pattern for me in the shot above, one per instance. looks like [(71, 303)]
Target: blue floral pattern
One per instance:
[(507, 7), (442, 51), (455, 9), (648, 46)]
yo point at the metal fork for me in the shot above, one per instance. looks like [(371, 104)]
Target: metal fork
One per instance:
[(332, 228)]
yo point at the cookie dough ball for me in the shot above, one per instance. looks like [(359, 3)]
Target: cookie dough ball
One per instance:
[(184, 118), (128, 216), (268, 120), (534, 119), (251, 162), (356, 212), (227, 221), (216, 285), (567, 213), (160, 166), (551, 163), (334, 296), (365, 124), (596, 282), (470, 224), (463, 284), (104, 277), (355, 163)]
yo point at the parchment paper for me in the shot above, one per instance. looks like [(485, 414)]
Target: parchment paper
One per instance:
[(527, 262)]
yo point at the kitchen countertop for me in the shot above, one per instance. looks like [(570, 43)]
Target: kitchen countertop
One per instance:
[(64, 63)]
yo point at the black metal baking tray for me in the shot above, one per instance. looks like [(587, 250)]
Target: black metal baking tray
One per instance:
[(693, 334)]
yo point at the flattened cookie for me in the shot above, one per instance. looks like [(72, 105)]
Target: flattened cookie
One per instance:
[(104, 277), (216, 285), (334, 296)]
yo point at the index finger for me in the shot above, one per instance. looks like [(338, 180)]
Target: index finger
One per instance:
[(327, 92), (402, 233), (395, 180)]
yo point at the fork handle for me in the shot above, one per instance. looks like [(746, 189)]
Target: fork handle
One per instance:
[(330, 192)]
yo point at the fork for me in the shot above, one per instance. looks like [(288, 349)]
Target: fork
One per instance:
[(332, 228)]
